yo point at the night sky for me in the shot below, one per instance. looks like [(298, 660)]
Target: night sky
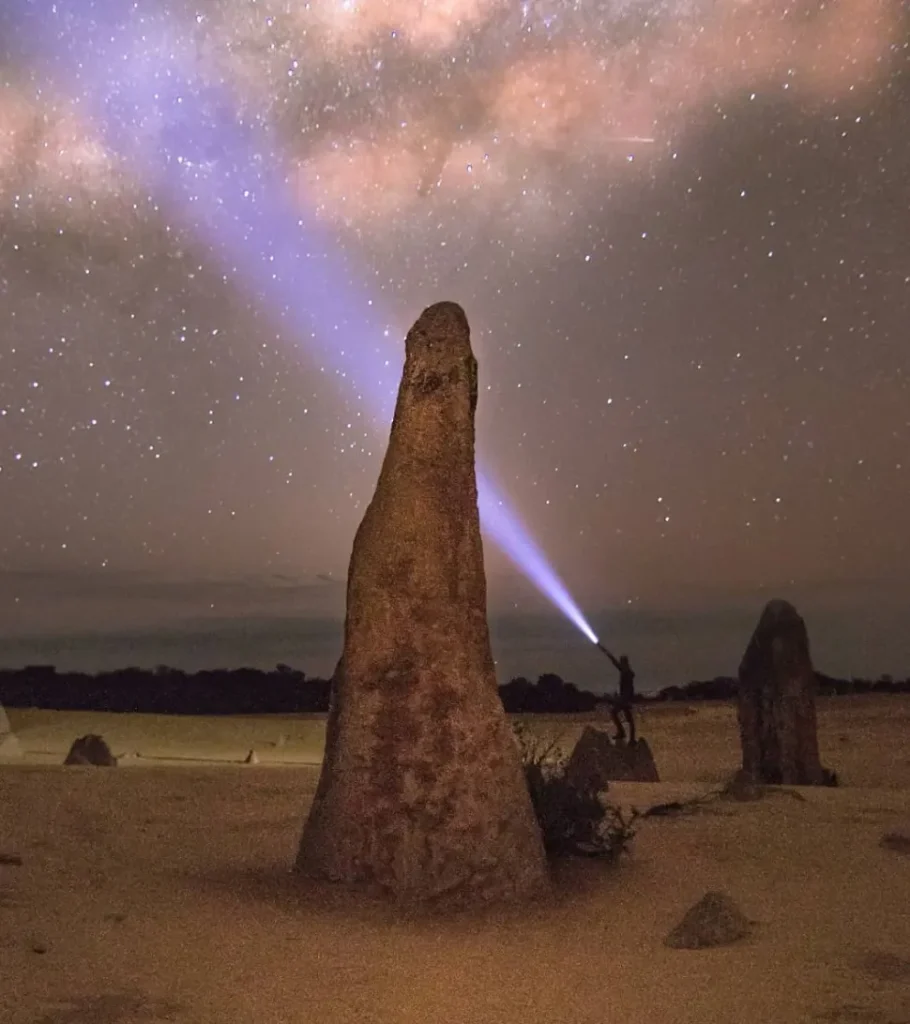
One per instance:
[(680, 230)]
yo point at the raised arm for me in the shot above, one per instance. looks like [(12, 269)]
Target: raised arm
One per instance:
[(609, 655)]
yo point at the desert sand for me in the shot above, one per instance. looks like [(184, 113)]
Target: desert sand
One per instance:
[(161, 890)]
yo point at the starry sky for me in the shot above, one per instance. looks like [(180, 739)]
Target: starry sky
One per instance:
[(680, 230)]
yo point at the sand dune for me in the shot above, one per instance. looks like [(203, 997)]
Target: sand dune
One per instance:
[(164, 894)]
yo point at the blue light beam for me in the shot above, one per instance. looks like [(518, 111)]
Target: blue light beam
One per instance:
[(142, 86), (516, 543)]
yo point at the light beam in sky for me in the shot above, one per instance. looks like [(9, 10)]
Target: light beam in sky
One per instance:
[(140, 85), (515, 541)]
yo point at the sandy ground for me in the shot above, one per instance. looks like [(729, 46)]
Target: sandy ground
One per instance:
[(161, 891)]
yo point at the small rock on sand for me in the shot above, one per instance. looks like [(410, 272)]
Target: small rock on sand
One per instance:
[(714, 921), (251, 758), (91, 750), (742, 788), (897, 839)]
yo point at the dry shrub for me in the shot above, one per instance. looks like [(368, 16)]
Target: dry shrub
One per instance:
[(573, 821)]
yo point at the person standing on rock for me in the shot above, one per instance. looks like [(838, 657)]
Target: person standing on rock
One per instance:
[(623, 704)]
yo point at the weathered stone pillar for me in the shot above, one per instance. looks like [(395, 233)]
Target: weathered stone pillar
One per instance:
[(422, 794), (777, 702)]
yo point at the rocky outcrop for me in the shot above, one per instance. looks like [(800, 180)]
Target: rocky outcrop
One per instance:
[(598, 760)]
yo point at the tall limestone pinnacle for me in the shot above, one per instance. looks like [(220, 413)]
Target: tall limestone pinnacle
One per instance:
[(776, 706), (422, 794)]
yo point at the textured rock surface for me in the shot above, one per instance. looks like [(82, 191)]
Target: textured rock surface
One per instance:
[(777, 702), (92, 750), (597, 761), (714, 921), (421, 793)]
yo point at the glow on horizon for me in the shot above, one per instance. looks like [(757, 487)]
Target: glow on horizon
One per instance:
[(184, 137)]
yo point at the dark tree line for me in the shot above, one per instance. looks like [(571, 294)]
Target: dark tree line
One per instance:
[(724, 688), (242, 691), (549, 695), (284, 690)]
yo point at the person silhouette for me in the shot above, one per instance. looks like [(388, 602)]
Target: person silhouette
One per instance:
[(623, 704)]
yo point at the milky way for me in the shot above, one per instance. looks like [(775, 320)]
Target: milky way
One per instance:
[(679, 230)]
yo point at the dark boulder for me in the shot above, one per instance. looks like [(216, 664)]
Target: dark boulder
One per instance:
[(597, 760), (91, 750)]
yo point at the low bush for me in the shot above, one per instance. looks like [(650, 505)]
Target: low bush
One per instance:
[(573, 821)]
